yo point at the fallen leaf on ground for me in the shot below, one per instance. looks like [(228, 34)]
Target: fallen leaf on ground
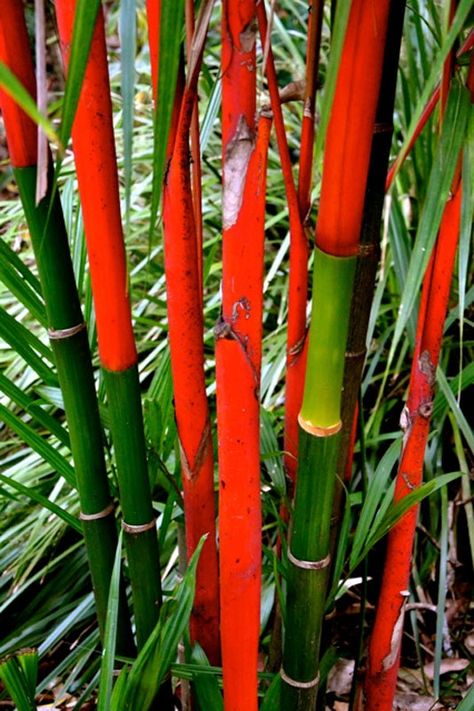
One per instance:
[(340, 677), (451, 664), (415, 702)]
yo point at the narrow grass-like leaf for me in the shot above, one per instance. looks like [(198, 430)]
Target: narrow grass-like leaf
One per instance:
[(154, 660), (43, 501), (128, 41), (465, 232), (457, 384), (467, 704), (17, 685), (205, 686), (28, 659), (108, 652), (171, 15), (211, 114), (465, 484), (453, 133), (10, 258), (397, 510), (457, 24), (271, 699), (456, 410), (17, 91), (13, 274), (43, 448), (270, 452), (120, 688), (30, 405), (77, 614), (440, 615), (376, 491), (28, 346), (341, 551)]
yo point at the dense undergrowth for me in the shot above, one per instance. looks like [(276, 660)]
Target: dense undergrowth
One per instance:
[(45, 594)]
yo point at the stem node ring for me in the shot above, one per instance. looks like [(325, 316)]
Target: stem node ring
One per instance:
[(309, 564), (62, 333), (100, 514), (135, 529), (299, 684)]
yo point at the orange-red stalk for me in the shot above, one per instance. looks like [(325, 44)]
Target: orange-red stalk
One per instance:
[(427, 111), (185, 323), (346, 159), (448, 67), (315, 20), (298, 271), (195, 150), (22, 143), (238, 355), (385, 644), (92, 137)]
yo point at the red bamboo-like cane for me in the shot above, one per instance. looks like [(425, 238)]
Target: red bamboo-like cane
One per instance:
[(385, 643), (298, 271), (238, 354), (384, 650), (195, 149), (22, 144), (153, 11), (346, 160), (307, 128), (427, 111), (92, 137), (448, 67), (185, 322)]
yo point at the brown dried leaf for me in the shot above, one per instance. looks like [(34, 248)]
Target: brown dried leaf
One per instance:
[(449, 665), (414, 702), (340, 677)]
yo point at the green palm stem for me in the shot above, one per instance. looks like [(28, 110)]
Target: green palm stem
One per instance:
[(65, 324), (69, 342), (95, 159), (319, 437), (126, 426), (369, 253)]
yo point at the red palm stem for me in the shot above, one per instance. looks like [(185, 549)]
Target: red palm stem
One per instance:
[(385, 644), (22, 143), (238, 356), (185, 323), (92, 136), (195, 152), (346, 161), (298, 271), (427, 111), (307, 128)]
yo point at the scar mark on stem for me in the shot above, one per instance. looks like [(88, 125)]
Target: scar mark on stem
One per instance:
[(396, 640), (224, 330), (237, 158), (426, 409), (242, 304), (407, 481), (189, 470), (247, 37), (427, 367)]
